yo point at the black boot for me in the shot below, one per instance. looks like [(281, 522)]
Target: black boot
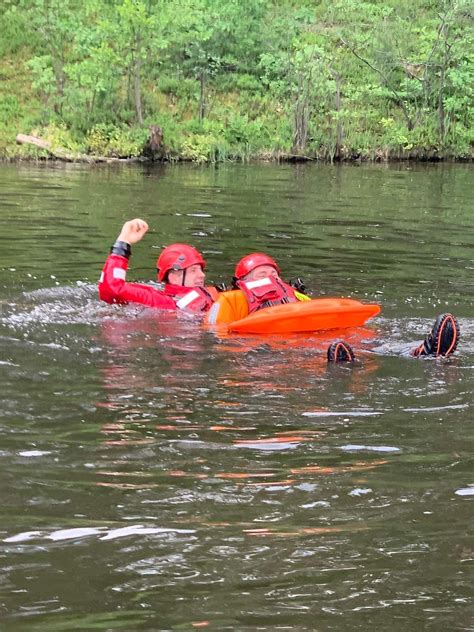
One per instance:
[(340, 351), (442, 339)]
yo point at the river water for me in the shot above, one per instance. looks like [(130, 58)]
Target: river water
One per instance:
[(155, 476)]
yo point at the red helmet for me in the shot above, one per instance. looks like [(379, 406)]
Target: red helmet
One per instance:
[(250, 262), (178, 257)]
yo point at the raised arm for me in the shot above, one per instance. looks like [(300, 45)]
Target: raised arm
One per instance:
[(133, 231), (113, 287)]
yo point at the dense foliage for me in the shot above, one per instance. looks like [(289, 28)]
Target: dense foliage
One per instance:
[(234, 79)]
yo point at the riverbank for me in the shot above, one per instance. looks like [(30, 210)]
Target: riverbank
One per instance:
[(133, 83), (234, 137), (198, 149)]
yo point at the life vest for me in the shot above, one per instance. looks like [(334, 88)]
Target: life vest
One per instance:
[(266, 292), (195, 299)]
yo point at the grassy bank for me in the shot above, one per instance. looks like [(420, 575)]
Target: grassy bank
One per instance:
[(261, 80)]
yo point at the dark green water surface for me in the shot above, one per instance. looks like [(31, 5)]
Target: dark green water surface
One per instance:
[(155, 476)]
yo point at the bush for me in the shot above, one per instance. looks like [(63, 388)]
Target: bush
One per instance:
[(59, 136), (178, 87), (115, 141), (239, 82), (203, 148)]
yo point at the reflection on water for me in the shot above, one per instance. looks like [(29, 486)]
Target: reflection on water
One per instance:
[(147, 462)]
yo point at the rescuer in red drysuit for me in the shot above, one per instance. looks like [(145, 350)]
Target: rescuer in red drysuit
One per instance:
[(180, 272)]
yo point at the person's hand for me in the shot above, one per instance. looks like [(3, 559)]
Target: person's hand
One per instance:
[(133, 230)]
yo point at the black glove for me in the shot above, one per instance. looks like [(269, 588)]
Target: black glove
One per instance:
[(222, 287), (298, 284)]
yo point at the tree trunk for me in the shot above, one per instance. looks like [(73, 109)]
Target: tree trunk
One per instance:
[(154, 147), (441, 111), (58, 69), (339, 127), (137, 88), (301, 116), (202, 96), (442, 85)]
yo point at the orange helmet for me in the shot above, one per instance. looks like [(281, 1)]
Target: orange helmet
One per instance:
[(252, 261), (178, 257)]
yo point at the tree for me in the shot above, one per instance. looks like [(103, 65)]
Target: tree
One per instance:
[(52, 21), (418, 63), (215, 38)]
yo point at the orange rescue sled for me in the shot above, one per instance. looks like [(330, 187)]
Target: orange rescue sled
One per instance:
[(315, 315)]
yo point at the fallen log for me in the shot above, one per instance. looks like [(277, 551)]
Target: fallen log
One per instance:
[(60, 153), (56, 152), (294, 158)]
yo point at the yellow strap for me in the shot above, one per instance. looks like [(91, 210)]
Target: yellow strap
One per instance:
[(302, 297)]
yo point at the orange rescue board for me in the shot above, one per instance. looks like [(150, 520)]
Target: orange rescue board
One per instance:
[(315, 315)]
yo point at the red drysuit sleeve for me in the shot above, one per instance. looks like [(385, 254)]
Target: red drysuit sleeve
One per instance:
[(113, 288)]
